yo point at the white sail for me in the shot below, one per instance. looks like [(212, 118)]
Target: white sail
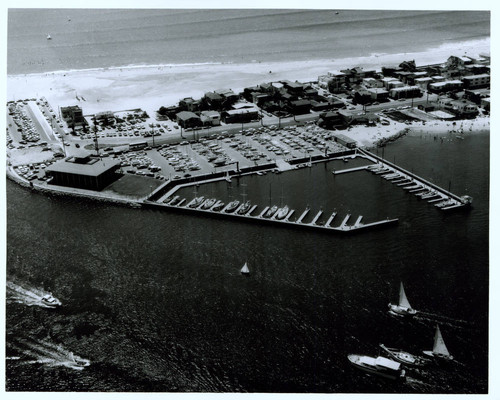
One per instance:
[(245, 269), (439, 346), (403, 301)]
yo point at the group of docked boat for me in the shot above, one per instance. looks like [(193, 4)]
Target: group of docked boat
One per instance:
[(420, 190), (394, 361), (276, 213)]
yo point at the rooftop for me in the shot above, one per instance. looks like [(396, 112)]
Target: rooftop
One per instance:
[(94, 167)]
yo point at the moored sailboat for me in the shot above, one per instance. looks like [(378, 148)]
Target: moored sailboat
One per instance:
[(403, 308)]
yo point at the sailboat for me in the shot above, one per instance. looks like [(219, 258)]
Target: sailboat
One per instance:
[(403, 308), (439, 350), (245, 270)]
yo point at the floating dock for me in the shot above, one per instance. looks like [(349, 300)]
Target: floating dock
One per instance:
[(343, 227), (412, 183)]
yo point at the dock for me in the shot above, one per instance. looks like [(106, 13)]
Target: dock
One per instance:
[(343, 171), (343, 227), (303, 215), (329, 221)]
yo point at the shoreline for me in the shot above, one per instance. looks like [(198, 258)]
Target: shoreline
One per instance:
[(150, 87)]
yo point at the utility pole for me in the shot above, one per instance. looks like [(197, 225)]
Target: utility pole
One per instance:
[(95, 135)]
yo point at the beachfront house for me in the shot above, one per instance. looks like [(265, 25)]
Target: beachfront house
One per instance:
[(242, 115), (72, 115), (405, 92), (445, 86), (460, 108), (476, 81), (188, 119), (189, 104), (210, 118)]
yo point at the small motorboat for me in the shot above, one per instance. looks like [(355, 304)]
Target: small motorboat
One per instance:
[(403, 308), (379, 366), (50, 301), (244, 270), (218, 206), (49, 37), (271, 211), (282, 212), (209, 203), (197, 202), (244, 208), (439, 350), (232, 206)]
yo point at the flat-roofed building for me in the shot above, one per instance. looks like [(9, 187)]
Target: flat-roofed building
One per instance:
[(345, 140), (83, 172), (372, 83), (188, 119), (405, 92), (476, 81), (72, 115), (386, 80), (241, 115), (445, 86), (210, 118), (378, 94), (422, 83)]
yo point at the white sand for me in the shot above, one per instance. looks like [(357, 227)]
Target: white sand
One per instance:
[(154, 86)]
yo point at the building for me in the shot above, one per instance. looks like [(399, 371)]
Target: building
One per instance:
[(240, 116), (228, 95), (299, 107), (188, 104), (378, 94), (394, 84), (460, 108), (210, 118), (477, 95), (213, 100), (405, 92), (83, 172), (445, 86), (188, 119), (372, 83), (458, 62), (386, 80), (423, 83), (345, 140), (476, 81), (72, 115)]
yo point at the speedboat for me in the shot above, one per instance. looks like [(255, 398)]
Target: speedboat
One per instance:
[(439, 350), (282, 212), (244, 208), (379, 366), (403, 357), (232, 206), (209, 203), (269, 213), (50, 301), (403, 308), (197, 202), (218, 205)]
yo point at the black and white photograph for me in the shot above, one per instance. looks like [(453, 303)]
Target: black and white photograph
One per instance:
[(265, 198)]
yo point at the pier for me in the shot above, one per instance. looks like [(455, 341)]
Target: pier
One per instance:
[(343, 227), (412, 183)]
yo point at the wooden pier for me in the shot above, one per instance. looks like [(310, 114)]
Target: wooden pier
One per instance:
[(343, 227), (412, 183)]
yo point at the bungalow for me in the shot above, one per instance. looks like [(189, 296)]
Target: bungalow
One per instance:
[(188, 119), (405, 92), (377, 94), (210, 118), (461, 108), (445, 86), (213, 100), (422, 83), (372, 83), (241, 115), (189, 104), (228, 95), (299, 107)]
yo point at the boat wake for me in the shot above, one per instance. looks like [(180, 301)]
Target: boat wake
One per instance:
[(444, 320), (25, 295), (44, 352)]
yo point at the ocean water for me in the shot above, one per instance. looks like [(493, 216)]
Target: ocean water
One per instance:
[(155, 300), (89, 38)]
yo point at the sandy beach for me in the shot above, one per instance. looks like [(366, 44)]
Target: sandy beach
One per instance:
[(149, 87)]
